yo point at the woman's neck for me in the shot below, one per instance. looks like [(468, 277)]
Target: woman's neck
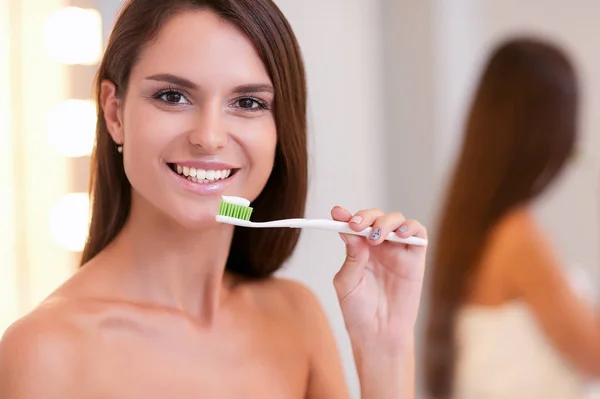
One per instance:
[(165, 264)]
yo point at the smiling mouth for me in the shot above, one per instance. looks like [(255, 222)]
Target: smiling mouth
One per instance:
[(202, 176)]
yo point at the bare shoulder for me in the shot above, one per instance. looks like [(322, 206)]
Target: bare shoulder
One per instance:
[(535, 275), (523, 250), (295, 304), (48, 325), (517, 228), (516, 239), (293, 289), (326, 376), (38, 353), (292, 295), (525, 240)]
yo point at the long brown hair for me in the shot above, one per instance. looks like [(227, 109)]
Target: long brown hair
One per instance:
[(254, 252), (521, 130)]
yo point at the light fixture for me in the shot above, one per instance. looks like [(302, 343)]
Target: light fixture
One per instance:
[(73, 35), (9, 290), (69, 221), (72, 127)]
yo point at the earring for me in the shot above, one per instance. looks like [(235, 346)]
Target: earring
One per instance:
[(120, 149)]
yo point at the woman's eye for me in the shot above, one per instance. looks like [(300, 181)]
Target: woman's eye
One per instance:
[(250, 104), (173, 97)]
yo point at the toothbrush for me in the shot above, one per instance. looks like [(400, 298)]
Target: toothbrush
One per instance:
[(237, 211)]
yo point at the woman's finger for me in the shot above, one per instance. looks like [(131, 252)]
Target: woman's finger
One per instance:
[(364, 218), (340, 214), (353, 269), (412, 228), (357, 257), (384, 225)]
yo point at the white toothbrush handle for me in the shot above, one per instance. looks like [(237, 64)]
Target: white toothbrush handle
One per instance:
[(319, 224), (343, 227)]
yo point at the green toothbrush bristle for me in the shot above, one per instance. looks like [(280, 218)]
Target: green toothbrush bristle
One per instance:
[(235, 211)]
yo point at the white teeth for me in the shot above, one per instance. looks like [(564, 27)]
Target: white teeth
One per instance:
[(202, 175)]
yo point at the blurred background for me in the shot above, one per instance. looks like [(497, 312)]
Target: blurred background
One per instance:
[(389, 83)]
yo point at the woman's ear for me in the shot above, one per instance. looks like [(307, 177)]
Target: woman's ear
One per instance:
[(112, 113)]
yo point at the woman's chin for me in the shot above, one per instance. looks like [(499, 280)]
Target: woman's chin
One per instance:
[(198, 223)]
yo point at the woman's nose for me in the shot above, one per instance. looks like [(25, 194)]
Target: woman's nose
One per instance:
[(209, 133)]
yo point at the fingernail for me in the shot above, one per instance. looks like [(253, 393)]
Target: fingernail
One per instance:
[(403, 229), (356, 219), (375, 234)]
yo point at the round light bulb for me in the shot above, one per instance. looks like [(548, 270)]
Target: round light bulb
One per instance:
[(69, 221), (72, 127), (73, 35)]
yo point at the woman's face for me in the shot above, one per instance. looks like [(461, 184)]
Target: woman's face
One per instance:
[(196, 121)]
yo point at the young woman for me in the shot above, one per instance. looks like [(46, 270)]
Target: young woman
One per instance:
[(198, 99), (503, 320)]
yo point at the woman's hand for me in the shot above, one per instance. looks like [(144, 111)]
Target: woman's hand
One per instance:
[(379, 290), (379, 285)]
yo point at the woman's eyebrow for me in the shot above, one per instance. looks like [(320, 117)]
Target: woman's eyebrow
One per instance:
[(183, 82), (254, 88), (174, 79)]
